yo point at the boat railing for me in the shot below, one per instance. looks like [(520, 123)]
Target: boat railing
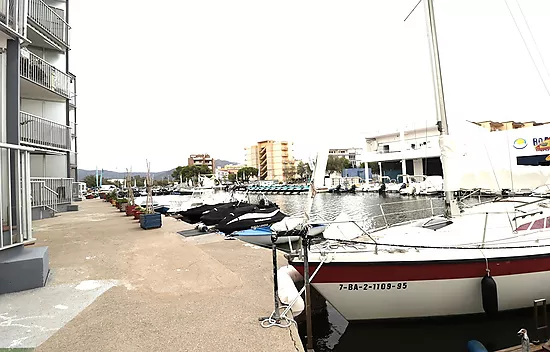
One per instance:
[(385, 215)]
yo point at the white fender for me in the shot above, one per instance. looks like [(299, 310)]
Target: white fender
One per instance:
[(286, 277)]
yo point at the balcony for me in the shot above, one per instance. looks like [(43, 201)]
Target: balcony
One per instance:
[(15, 204), (53, 84), (40, 132), (12, 16), (47, 26)]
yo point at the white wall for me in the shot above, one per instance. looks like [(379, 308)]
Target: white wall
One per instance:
[(56, 4), (48, 165), (54, 111), (54, 58)]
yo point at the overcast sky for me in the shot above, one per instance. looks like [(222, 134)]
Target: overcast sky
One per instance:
[(164, 79)]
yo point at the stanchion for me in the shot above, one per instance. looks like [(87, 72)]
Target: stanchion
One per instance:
[(276, 315), (309, 328)]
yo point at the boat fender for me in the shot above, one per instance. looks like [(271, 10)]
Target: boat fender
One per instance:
[(476, 346), (287, 289), (489, 294)]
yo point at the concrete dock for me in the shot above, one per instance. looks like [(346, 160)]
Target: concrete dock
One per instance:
[(146, 290)]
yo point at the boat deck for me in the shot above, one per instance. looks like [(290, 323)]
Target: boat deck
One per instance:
[(534, 348)]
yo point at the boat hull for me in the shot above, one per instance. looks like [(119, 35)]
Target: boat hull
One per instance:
[(377, 292)]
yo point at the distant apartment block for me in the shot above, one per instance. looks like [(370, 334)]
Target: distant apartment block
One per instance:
[(201, 159), (231, 169), (352, 154), (273, 159), (507, 125)]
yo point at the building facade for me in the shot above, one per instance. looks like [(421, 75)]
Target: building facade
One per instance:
[(352, 154), (406, 151), (37, 132), (201, 159), (273, 159), (417, 152), (47, 106)]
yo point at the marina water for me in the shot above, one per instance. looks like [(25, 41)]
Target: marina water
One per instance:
[(332, 333)]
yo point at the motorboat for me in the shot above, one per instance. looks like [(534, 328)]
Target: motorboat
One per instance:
[(431, 186)]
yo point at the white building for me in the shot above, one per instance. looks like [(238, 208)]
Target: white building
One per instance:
[(37, 132), (352, 154), (406, 151), (500, 154)]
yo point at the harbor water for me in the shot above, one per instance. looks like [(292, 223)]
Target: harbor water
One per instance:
[(332, 333)]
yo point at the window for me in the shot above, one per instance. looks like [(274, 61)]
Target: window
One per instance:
[(436, 223), (538, 224), (523, 227)]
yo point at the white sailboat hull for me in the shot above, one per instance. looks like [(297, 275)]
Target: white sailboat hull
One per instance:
[(431, 298)]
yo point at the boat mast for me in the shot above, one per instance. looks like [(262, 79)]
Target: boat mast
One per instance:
[(451, 207)]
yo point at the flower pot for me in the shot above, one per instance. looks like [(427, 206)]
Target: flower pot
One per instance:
[(122, 207), (130, 209), (150, 221), (113, 202), (137, 213)]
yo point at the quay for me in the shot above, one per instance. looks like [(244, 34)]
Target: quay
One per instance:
[(116, 287)]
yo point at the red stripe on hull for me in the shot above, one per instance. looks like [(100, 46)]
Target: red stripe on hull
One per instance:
[(413, 271)]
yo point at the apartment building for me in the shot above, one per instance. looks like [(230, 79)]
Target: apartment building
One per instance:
[(352, 154), (38, 153), (273, 159), (201, 159)]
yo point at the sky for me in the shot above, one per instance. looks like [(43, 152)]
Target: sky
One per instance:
[(162, 81)]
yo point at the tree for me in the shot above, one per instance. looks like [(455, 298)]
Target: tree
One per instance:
[(337, 164), (301, 169), (90, 181), (374, 168), (247, 172), (362, 165), (232, 178), (164, 182), (190, 172), (139, 181), (289, 171)]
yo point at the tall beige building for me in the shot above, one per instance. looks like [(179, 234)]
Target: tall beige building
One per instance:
[(275, 160)]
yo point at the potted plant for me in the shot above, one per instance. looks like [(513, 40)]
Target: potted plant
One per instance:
[(149, 219), (137, 212), (121, 204), (130, 209)]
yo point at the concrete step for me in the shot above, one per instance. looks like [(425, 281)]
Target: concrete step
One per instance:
[(23, 268)]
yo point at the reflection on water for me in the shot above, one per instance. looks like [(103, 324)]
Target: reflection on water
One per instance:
[(331, 331)]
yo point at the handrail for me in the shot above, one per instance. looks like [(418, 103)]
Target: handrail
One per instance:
[(49, 20), (51, 191), (41, 72), (39, 131), (16, 147)]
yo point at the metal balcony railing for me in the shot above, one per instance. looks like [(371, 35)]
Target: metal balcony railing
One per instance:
[(15, 197), (38, 131), (72, 90), (38, 71), (47, 19), (12, 14), (49, 192)]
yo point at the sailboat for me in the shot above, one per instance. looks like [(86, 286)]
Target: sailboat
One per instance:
[(482, 258)]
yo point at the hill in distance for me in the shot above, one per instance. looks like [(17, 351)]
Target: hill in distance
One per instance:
[(156, 175)]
